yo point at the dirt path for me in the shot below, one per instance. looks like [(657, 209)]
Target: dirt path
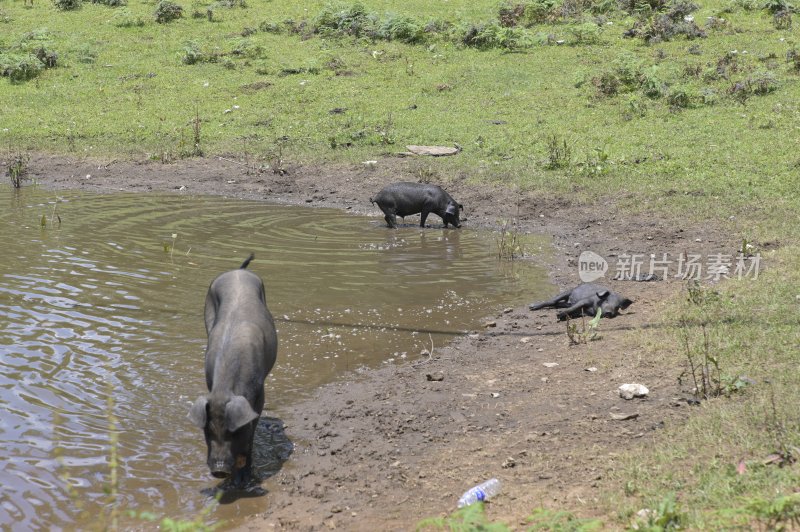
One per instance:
[(383, 450)]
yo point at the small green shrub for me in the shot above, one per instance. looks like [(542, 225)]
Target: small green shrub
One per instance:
[(192, 53), (527, 12), (492, 35), (559, 153), (111, 3), (246, 48), (401, 28), (125, 19), (586, 33), (777, 6), (651, 83), (19, 67), (680, 98), (86, 54), (353, 21), (230, 4), (67, 5), (167, 11), (672, 20), (607, 83), (270, 27)]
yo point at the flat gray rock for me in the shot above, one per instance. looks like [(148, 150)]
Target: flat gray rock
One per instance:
[(434, 151)]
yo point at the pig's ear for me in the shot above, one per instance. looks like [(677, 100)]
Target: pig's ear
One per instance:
[(452, 208), (604, 294), (625, 303), (197, 413), (238, 413)]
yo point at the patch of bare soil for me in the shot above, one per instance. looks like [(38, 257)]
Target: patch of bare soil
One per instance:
[(514, 400)]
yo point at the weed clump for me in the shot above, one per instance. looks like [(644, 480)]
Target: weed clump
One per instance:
[(527, 12), (492, 35), (67, 5), (401, 28), (26, 59), (353, 21), (17, 169), (18, 68), (167, 11), (559, 153), (673, 20), (125, 19)]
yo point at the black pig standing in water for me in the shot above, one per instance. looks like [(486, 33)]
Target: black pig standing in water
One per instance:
[(584, 300), (241, 350), (405, 199)]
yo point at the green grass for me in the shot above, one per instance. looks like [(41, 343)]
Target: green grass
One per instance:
[(680, 127), (723, 465)]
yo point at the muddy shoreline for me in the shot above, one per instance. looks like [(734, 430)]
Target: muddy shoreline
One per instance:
[(512, 400)]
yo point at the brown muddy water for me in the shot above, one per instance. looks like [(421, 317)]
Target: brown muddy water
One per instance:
[(101, 350)]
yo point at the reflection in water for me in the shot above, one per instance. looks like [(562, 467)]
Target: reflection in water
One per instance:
[(102, 336)]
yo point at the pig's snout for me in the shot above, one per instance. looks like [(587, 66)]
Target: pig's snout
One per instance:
[(220, 468)]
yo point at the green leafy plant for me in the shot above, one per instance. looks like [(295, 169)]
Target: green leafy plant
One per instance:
[(468, 519), (780, 513), (167, 11), (586, 333), (561, 521), (401, 28), (667, 515), (559, 153), (67, 5)]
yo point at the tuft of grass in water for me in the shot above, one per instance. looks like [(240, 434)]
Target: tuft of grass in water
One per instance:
[(17, 169), (510, 241)]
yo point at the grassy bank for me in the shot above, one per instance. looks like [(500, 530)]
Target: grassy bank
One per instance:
[(709, 122), (695, 114)]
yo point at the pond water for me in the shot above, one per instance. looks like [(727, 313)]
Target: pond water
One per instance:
[(101, 350)]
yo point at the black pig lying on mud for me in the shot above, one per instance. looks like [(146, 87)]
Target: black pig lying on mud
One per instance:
[(241, 350), (405, 199), (584, 300)]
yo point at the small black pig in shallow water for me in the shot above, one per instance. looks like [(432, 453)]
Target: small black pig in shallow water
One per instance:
[(405, 199), (584, 300), (241, 350)]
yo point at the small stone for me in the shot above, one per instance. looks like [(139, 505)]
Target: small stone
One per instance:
[(544, 379), (508, 310), (591, 370), (490, 324), (550, 364), (495, 395), (437, 376), (527, 339), (623, 417), (629, 391), (508, 463)]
